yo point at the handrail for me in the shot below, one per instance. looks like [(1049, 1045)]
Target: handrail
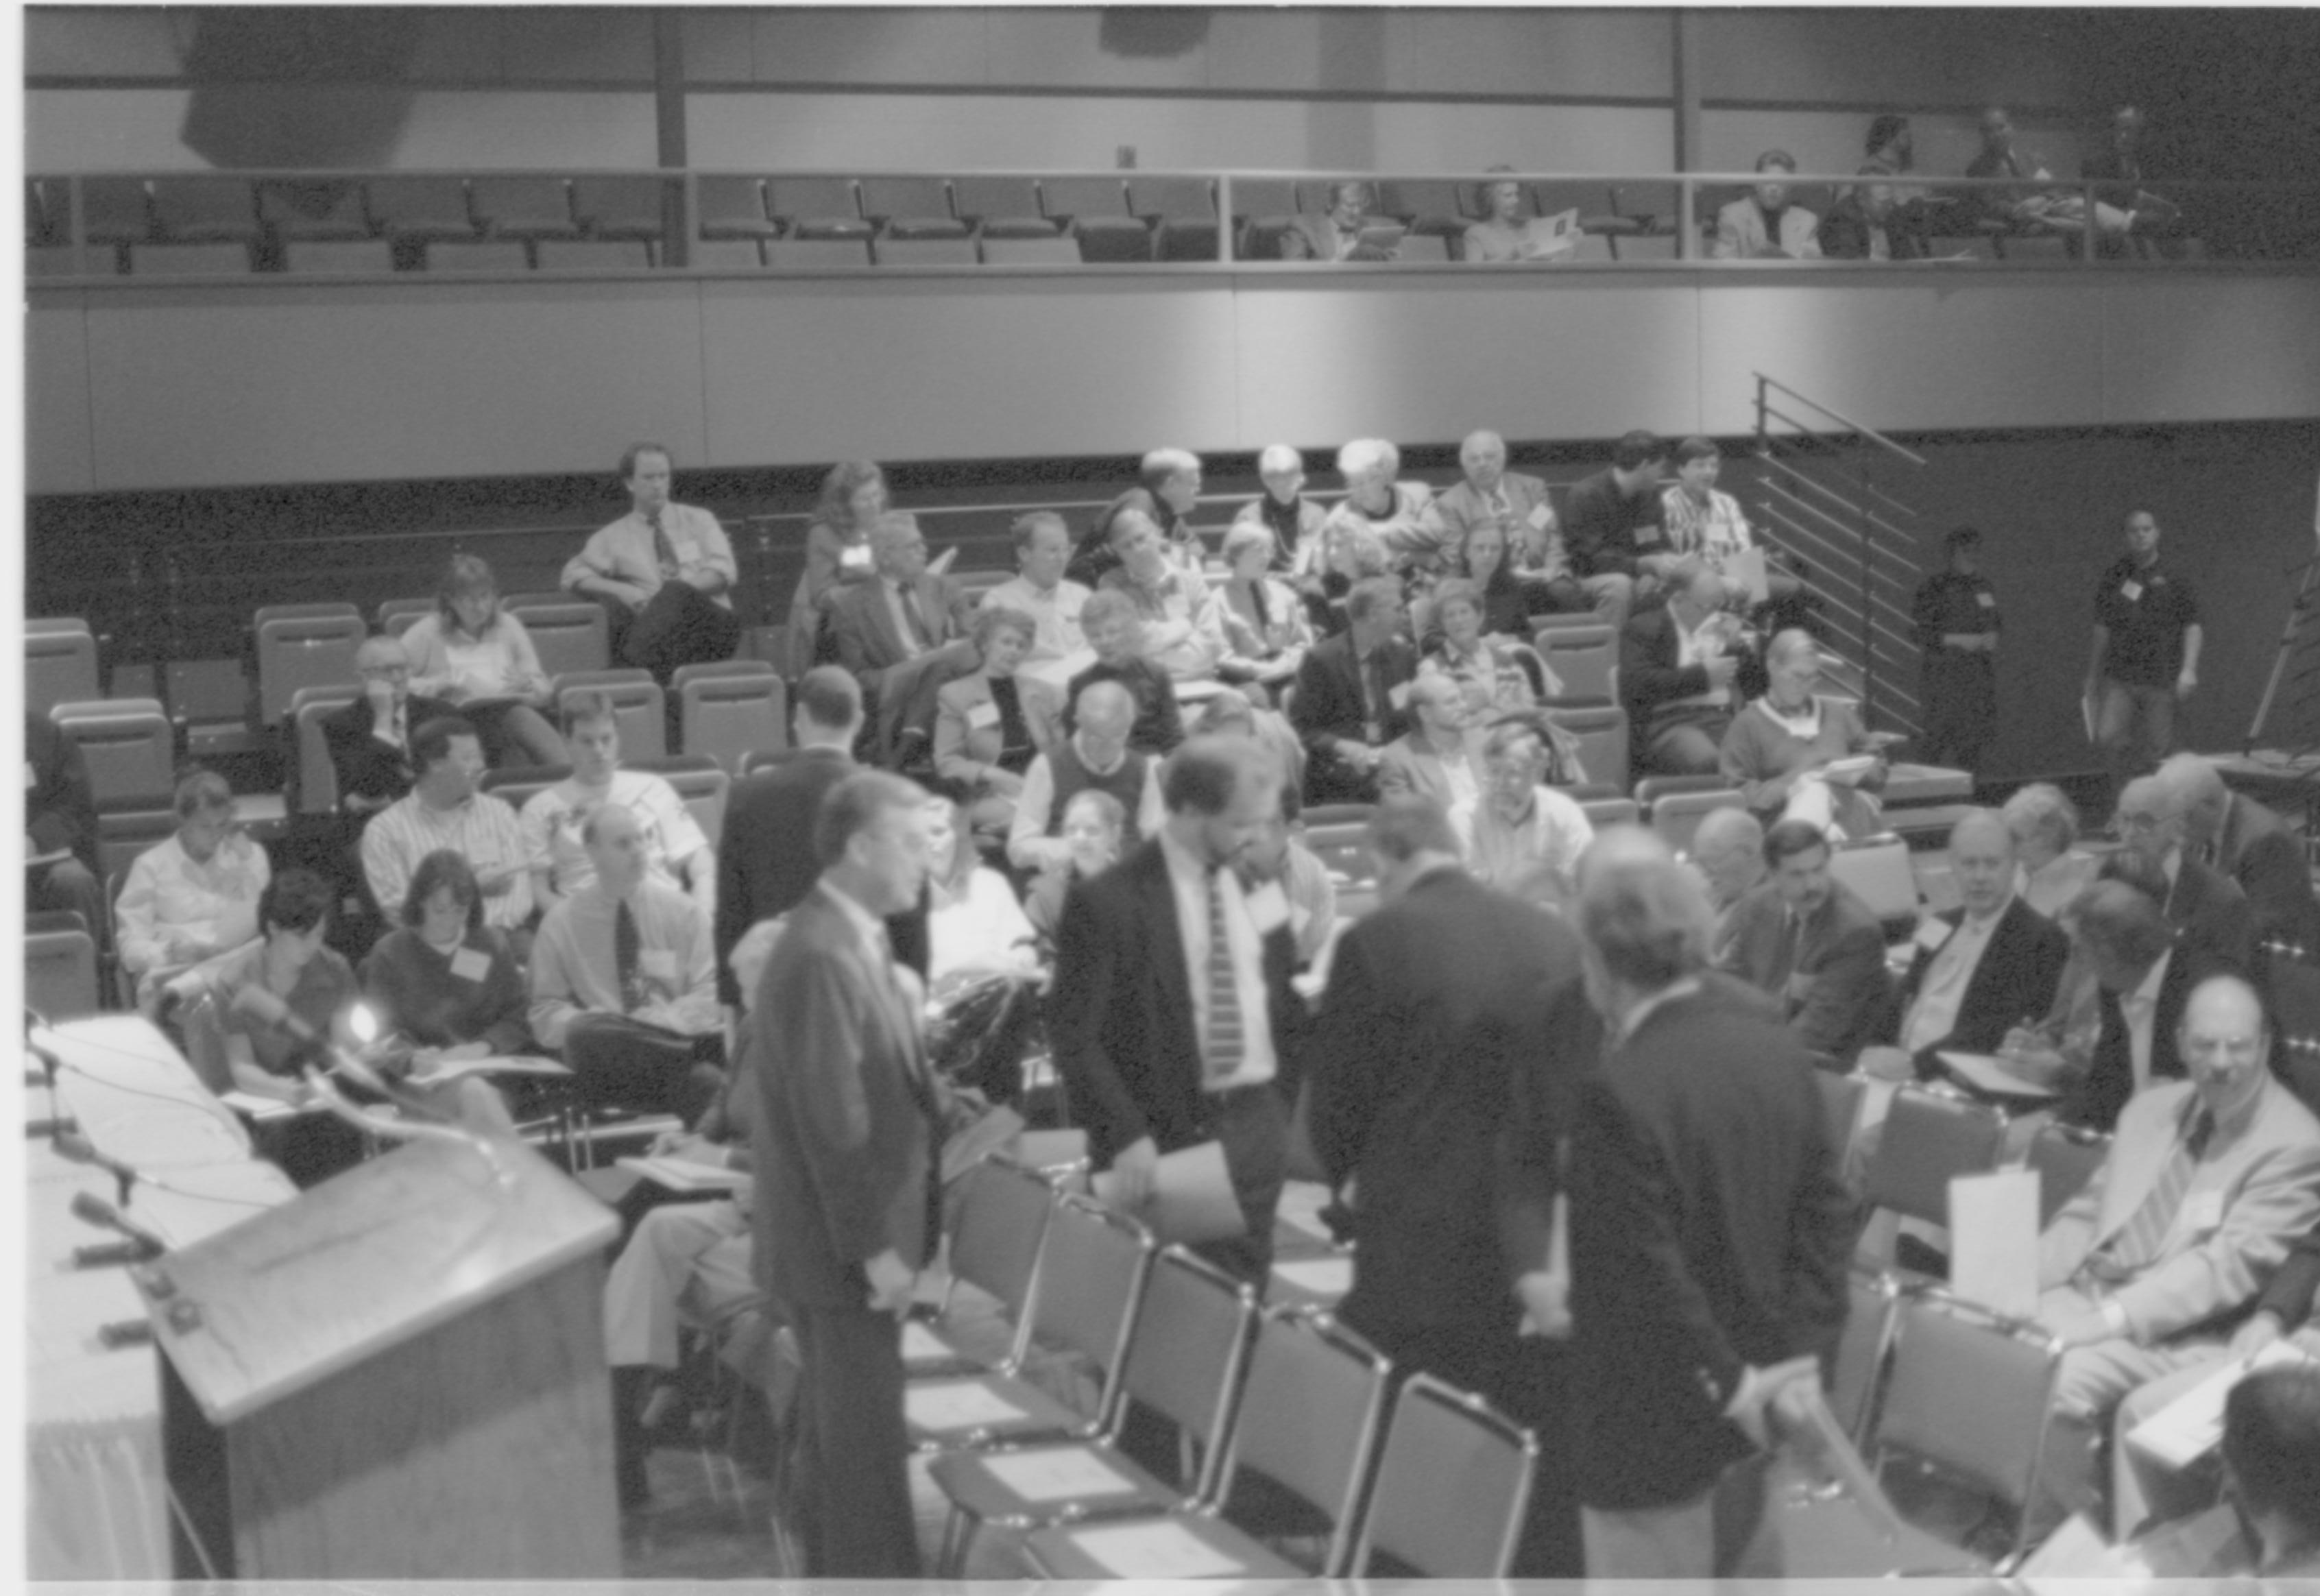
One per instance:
[(1859, 428)]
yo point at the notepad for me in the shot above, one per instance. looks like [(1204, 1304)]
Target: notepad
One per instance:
[(1062, 1474), (1987, 1073), (1322, 1277), (1994, 1239), (965, 1404), (1162, 1549), (920, 1345), (682, 1174)]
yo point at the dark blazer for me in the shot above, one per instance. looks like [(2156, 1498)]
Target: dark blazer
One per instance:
[(846, 1149), (1710, 1231), (1119, 1016), (60, 805), (366, 766), (1649, 676), (2255, 849), (2211, 916), (1329, 701), (2110, 1080), (2014, 982), (1446, 1007), (1835, 997), (869, 643)]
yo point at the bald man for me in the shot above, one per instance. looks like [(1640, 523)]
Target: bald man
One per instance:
[(2239, 837), (1984, 968), (1492, 495), (1727, 850), (369, 740), (1096, 755)]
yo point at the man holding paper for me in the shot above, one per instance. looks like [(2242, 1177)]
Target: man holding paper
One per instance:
[(2207, 1182)]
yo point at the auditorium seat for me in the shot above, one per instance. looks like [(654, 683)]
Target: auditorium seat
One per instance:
[(818, 252), (1676, 816), (209, 703), (993, 1242), (312, 781), (60, 978), (1877, 869), (317, 258), (1550, 198), (59, 667), (1182, 213), (122, 834), (1423, 249), (1975, 246), (308, 650), (188, 260), (524, 207), (2066, 1157), (1583, 657), (519, 785), (728, 254), (394, 615), (925, 251), (494, 255), (593, 255), (1863, 1349), (421, 209), (115, 211), (909, 208), (1646, 246), (128, 747), (1592, 247), (63, 261), (206, 210), (1261, 208), (1427, 206), (1094, 211), (1610, 812), (817, 207), (730, 709), (732, 207), (636, 707), (619, 207), (1050, 250), (1453, 1479), (699, 783), (569, 634), (1001, 207), (314, 209), (1602, 733)]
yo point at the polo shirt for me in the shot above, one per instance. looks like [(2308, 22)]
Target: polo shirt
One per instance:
[(2146, 610)]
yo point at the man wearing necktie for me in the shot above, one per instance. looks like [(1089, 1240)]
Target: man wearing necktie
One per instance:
[(1352, 695), (849, 1199), (1808, 940), (903, 633), (2207, 1183), (664, 573)]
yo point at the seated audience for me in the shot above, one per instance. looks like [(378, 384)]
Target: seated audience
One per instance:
[(1976, 970), (1398, 513), (369, 740), (2016, 205), (1435, 759), (1508, 230), (1611, 529), (1230, 712), (446, 987), (2207, 907), (624, 981), (1094, 830), (1506, 602), (1349, 552), (1499, 672), (2121, 204), (471, 654), (1266, 627), (989, 725), (974, 924), (192, 896), (676, 852), (664, 573), (1278, 853), (1881, 219), (1764, 225), (1116, 633), (885, 627), (1352, 696), (1806, 939), (2241, 839), (1283, 510), (1337, 234), (59, 826), (2272, 1455), (1168, 488), (2045, 827), (1727, 850), (1491, 496), (2207, 1184), (1783, 751), (837, 552), (1183, 625), (1097, 755), (1041, 590), (1678, 664), (1706, 524), (1517, 824), (444, 809)]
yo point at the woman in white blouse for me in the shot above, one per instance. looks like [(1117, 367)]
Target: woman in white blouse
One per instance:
[(1396, 511), (974, 926), (470, 652), (193, 895)]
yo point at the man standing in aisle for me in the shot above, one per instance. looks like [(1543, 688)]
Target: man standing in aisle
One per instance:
[(2146, 654), (1954, 618), (664, 573)]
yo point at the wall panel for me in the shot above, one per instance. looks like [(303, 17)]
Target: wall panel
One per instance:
[(58, 456), (2224, 348)]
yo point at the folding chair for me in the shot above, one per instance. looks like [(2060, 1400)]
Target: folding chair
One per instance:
[(1862, 1350), (1184, 1362), (61, 979), (1930, 1134), (523, 206), (638, 707), (910, 208), (994, 1246), (1582, 659), (297, 652), (2066, 1157), (1453, 1484), (206, 210), (1308, 1423), (730, 207), (59, 667), (730, 709), (619, 207), (1841, 1098), (1602, 733), (569, 635)]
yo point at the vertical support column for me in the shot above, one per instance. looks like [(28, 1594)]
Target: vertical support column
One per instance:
[(1686, 40), (676, 203)]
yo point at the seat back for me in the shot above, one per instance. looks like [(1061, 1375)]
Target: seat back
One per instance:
[(619, 207), (1602, 733), (60, 973), (568, 635), (322, 209), (317, 778), (1308, 1417), (192, 209), (1861, 1350), (1009, 203), (517, 788), (123, 834), (1083, 199), (395, 614), (889, 200), (1610, 812), (59, 667), (639, 708), (420, 208), (130, 753), (703, 789), (2066, 1157), (1676, 817), (1969, 1394), (1580, 656), (732, 714), (296, 652), (1453, 1482), (1342, 847), (1930, 1135), (995, 1244), (1841, 1097), (730, 206), (1877, 869), (523, 206), (817, 207), (1184, 1354), (1173, 199), (1092, 1276)]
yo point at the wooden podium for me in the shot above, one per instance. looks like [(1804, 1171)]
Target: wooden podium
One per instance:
[(398, 1375)]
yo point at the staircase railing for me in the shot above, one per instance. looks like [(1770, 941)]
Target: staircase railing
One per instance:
[(1825, 480)]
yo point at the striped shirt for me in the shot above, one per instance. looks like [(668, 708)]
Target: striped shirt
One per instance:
[(482, 831)]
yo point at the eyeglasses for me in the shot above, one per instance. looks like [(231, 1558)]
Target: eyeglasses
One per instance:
[(2140, 821), (384, 673)]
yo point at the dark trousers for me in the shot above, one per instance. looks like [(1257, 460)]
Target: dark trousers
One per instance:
[(619, 1062), (1961, 706), (853, 1473), (680, 625)]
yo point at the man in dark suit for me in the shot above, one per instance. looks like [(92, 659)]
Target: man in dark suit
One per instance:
[(369, 740), (2206, 905), (849, 1198), (904, 628), (1810, 942), (1352, 695), (1709, 1229), (2146, 970), (1984, 968), (1679, 664), (1163, 1040), (2240, 838), (1452, 1012)]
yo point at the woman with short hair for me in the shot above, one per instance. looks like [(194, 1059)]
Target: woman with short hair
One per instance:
[(468, 651), (446, 987), (193, 895), (1264, 620), (1394, 511), (992, 724), (837, 552)]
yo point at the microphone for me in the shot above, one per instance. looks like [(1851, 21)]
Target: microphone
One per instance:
[(327, 1094), (92, 1209), (73, 1144)]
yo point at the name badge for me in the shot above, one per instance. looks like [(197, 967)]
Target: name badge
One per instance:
[(1268, 908), (1539, 517), (658, 963), (1987, 601), (32, 776), (1932, 935), (470, 964), (982, 715), (2203, 1210), (2130, 591), (1649, 532)]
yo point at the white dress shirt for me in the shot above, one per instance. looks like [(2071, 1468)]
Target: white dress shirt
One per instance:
[(1934, 1014), (2140, 1009), (1190, 880)]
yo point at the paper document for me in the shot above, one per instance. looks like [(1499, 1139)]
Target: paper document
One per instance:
[(682, 1174), (1748, 566), (261, 1108), (958, 1405), (1985, 1072), (1318, 1277), (1994, 1240), (1059, 1474), (2192, 1425), (2077, 1551), (1162, 1549), (1191, 1198), (1545, 238), (495, 1064), (923, 1345)]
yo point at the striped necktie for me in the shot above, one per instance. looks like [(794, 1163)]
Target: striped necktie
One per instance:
[(664, 551), (1226, 1042), (2137, 1245)]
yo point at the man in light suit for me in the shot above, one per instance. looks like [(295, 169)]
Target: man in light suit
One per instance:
[(849, 1201), (1431, 760), (2243, 840), (1337, 233), (903, 633), (1810, 942), (1492, 495), (2207, 1183), (1764, 223)]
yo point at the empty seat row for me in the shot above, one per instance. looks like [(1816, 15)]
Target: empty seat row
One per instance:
[(342, 257), (237, 210)]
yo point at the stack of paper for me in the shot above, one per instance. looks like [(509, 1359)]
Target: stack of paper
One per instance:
[(2192, 1425)]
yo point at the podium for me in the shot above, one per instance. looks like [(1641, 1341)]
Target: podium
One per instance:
[(398, 1375)]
